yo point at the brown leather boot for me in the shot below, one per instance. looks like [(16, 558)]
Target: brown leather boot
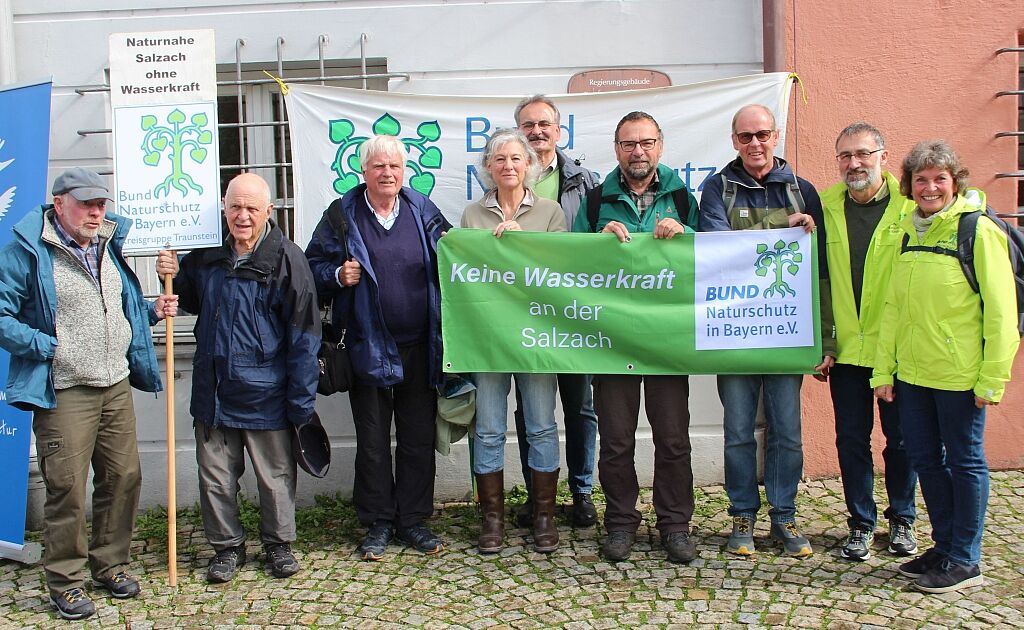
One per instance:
[(491, 489), (545, 532)]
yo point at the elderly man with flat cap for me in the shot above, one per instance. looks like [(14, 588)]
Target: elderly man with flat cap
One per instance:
[(74, 320)]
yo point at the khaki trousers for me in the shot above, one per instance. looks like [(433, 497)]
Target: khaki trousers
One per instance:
[(90, 425)]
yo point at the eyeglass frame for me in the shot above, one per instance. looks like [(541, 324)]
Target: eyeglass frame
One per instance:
[(633, 144), (544, 125), (847, 156), (754, 134)]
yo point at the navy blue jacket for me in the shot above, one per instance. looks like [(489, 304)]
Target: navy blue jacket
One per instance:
[(372, 349), (257, 335), (28, 313)]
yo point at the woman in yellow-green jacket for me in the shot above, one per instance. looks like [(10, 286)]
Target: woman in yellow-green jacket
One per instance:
[(944, 357)]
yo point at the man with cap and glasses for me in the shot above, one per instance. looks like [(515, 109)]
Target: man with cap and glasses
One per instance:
[(74, 320)]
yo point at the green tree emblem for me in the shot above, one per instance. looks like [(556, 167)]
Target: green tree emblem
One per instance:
[(177, 137), (346, 160), (782, 258)]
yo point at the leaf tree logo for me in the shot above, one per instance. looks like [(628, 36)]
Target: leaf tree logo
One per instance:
[(6, 196), (782, 258), (176, 137), (346, 161)]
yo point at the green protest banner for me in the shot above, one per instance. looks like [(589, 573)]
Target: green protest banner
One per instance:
[(721, 303)]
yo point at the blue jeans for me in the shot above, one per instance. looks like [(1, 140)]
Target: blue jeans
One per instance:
[(853, 402), (784, 460), (944, 433), (538, 393), (580, 432)]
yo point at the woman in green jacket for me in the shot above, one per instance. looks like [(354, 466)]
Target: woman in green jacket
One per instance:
[(945, 354)]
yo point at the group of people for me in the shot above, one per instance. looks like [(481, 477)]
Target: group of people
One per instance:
[(908, 327)]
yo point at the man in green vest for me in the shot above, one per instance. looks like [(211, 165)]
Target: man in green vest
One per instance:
[(862, 215)]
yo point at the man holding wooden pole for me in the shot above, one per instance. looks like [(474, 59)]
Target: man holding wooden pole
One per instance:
[(74, 359)]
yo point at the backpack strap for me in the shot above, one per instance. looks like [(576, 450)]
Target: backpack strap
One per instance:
[(593, 207), (965, 234), (728, 194), (681, 198), (338, 223), (796, 198)]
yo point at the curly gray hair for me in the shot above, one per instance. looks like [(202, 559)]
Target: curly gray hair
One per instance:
[(932, 154)]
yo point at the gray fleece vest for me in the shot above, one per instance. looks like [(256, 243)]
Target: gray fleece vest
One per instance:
[(93, 333)]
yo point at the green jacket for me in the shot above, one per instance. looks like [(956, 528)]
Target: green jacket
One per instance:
[(616, 205), (934, 331), (857, 332)]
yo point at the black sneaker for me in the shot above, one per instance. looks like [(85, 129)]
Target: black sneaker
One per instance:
[(281, 562), (618, 545), (224, 565), (950, 576), (421, 539), (679, 547), (922, 564), (73, 604), (901, 538), (377, 539), (584, 514), (120, 584)]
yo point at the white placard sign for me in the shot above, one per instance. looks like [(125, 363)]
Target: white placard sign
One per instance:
[(753, 295), (163, 90)]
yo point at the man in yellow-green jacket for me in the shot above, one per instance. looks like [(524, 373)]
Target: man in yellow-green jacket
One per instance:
[(945, 352), (862, 214)]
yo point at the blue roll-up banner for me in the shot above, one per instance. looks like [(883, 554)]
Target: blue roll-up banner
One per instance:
[(24, 150)]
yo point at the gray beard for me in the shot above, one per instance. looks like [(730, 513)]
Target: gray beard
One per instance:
[(862, 184)]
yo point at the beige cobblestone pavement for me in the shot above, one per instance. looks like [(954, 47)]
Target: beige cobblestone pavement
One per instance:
[(571, 588)]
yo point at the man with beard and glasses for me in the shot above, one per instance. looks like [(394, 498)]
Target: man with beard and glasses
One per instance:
[(862, 216), (758, 191), (639, 195), (565, 181)]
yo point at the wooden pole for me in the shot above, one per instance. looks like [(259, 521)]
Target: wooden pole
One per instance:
[(172, 510)]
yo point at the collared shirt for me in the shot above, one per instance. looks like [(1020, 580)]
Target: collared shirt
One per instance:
[(644, 199), (88, 256), (387, 222)]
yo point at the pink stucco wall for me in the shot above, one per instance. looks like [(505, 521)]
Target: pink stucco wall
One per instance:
[(915, 70)]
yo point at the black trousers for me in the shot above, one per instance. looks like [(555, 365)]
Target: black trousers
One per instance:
[(404, 493)]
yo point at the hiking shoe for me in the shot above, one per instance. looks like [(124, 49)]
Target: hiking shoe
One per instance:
[(224, 565), (950, 576), (73, 604), (281, 562), (922, 564), (741, 540), (901, 538), (679, 547), (377, 539), (584, 514), (792, 541), (618, 545), (421, 539), (524, 514), (858, 544), (120, 584)]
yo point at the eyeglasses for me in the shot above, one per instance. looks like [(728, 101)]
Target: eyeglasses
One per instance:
[(544, 125), (628, 145), (845, 156), (762, 136)]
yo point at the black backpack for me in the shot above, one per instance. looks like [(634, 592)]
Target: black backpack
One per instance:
[(594, 199), (964, 252)]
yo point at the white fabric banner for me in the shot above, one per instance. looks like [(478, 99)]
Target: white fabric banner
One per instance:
[(445, 135)]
